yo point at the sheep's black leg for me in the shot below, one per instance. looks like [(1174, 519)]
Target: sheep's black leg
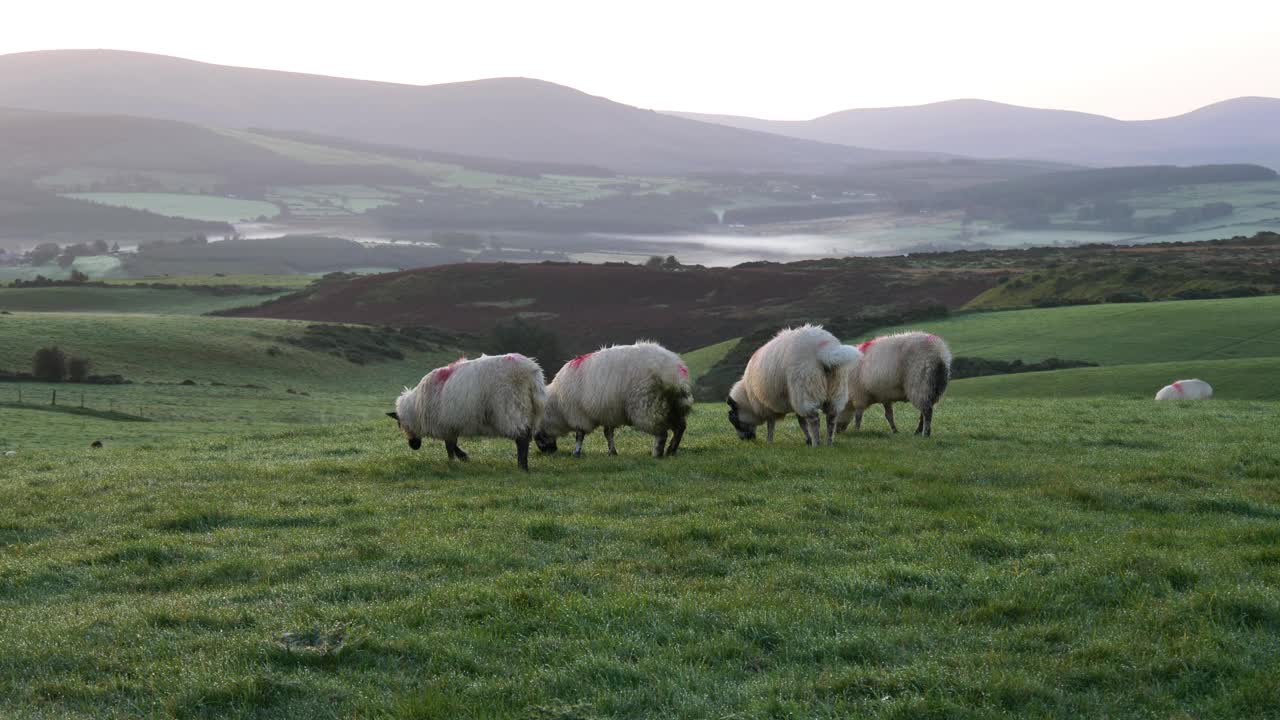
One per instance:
[(608, 436), (920, 425), (926, 419), (522, 451), (831, 428), (888, 415), (677, 434), (804, 428), (578, 437), (857, 418), (768, 424), (659, 442), (454, 451)]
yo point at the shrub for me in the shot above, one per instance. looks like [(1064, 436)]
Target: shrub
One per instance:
[(520, 336), (78, 369), (49, 364)]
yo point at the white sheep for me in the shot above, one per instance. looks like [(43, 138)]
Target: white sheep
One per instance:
[(490, 396), (911, 366), (1186, 390), (10, 453), (801, 370), (645, 386)]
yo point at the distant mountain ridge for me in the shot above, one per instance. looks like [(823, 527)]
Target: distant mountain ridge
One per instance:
[(510, 118), (1240, 130)]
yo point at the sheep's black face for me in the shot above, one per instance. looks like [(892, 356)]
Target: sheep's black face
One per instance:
[(745, 431), (546, 443), (415, 443)]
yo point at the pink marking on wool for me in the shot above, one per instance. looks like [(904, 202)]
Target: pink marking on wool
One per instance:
[(824, 343), (441, 375), (865, 346), (684, 371), (577, 362), (1178, 386), (931, 338), (513, 357)]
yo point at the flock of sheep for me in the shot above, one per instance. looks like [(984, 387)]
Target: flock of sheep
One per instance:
[(804, 371)]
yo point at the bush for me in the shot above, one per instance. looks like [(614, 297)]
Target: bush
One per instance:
[(78, 369), (520, 336), (49, 364)]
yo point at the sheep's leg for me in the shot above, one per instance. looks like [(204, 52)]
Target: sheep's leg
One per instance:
[(926, 421), (888, 415), (578, 437), (448, 447), (804, 428), (659, 442), (522, 451), (857, 418), (768, 424), (454, 450), (815, 429), (608, 436), (831, 428), (677, 434)]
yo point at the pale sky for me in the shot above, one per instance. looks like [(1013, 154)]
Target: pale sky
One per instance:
[(793, 59)]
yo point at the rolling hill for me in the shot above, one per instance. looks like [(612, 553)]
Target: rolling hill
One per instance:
[(511, 118), (1241, 130)]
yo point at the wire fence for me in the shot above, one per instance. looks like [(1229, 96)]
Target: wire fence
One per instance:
[(70, 399)]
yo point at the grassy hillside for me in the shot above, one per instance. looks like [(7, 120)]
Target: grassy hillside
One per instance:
[(122, 300), (1120, 333), (1242, 379), (1067, 559)]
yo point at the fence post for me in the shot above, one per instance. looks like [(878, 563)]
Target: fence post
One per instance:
[(19, 394), (81, 401), (54, 399)]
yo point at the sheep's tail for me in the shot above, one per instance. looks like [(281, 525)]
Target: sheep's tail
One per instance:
[(676, 397), (939, 376), (837, 356)]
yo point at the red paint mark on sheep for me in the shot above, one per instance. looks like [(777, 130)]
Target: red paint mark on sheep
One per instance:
[(514, 357), (1178, 386), (824, 343), (684, 371), (866, 345), (577, 362), (441, 375)]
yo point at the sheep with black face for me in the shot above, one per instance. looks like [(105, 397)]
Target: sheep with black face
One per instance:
[(801, 370), (490, 396)]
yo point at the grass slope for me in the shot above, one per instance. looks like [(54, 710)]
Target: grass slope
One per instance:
[(196, 207), (1120, 333), (122, 300), (702, 359), (1242, 379), (1067, 559)]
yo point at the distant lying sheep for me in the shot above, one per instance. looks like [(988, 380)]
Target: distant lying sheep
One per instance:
[(10, 453), (645, 386), (911, 366), (1186, 390), (491, 396), (803, 371)]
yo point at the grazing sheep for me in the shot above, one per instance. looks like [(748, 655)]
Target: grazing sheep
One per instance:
[(1186, 390), (644, 385), (96, 444), (911, 366), (491, 396), (801, 370)]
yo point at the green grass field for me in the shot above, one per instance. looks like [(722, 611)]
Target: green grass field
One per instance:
[(278, 551), (1066, 559), (196, 207), (1120, 333), (121, 300), (701, 360), (292, 282)]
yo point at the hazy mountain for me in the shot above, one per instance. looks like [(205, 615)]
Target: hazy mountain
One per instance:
[(1233, 131), (510, 118)]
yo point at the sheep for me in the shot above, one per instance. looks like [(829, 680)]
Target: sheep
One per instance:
[(911, 366), (493, 396), (10, 453), (801, 370), (96, 444), (1186, 390), (644, 385)]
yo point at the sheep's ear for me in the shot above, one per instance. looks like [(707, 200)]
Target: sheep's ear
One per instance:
[(393, 416)]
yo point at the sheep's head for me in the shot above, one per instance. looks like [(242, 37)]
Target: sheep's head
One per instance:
[(546, 443), (740, 421), (415, 442)]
